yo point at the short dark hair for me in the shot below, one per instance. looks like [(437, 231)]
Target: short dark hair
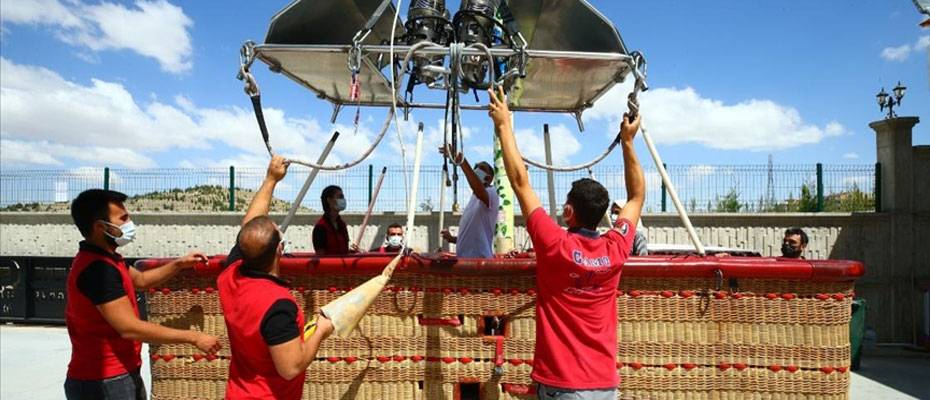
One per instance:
[(797, 231), (92, 205), (395, 225), (328, 192), (259, 256), (590, 200)]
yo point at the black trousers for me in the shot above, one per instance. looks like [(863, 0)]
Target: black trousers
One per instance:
[(122, 387)]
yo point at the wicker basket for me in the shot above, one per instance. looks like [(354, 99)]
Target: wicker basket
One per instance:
[(429, 335)]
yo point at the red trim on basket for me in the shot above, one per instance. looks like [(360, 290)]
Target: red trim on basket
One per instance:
[(635, 267), (450, 321), (520, 390)]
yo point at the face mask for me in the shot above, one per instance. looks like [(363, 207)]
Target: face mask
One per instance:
[(613, 219), (395, 240), (128, 233), (482, 176), (340, 204), (790, 252)]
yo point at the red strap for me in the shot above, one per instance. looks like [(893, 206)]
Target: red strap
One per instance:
[(499, 352), (450, 321)]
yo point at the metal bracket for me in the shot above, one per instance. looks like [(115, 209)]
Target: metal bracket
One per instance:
[(578, 119)]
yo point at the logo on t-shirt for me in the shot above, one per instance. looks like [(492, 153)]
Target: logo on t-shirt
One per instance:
[(590, 262), (624, 228)]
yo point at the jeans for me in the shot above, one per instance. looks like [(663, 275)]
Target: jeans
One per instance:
[(121, 387), (544, 392)]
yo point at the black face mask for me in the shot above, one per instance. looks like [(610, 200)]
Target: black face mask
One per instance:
[(790, 252)]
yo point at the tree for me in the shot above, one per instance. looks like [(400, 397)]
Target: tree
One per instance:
[(729, 203), (807, 202)]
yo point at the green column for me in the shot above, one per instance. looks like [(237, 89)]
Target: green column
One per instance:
[(503, 232), (106, 178)]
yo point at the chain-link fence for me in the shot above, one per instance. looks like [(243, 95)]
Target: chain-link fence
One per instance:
[(701, 188)]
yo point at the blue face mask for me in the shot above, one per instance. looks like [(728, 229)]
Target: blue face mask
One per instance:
[(395, 240), (127, 230)]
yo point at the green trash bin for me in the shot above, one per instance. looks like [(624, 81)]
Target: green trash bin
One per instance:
[(856, 332)]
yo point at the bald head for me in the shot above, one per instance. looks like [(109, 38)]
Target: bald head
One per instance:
[(258, 241)]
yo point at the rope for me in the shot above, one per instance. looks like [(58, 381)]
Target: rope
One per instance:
[(638, 66)]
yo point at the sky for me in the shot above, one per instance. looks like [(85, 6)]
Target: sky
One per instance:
[(149, 84)]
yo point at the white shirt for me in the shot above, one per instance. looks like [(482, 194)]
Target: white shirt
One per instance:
[(476, 227)]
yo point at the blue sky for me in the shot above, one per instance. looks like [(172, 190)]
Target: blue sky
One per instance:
[(151, 84)]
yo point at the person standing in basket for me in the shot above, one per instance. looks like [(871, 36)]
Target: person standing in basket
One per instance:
[(577, 271), (101, 311), (476, 226), (270, 344), (330, 234)]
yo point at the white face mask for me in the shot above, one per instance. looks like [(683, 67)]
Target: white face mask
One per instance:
[(614, 218), (482, 176), (128, 231), (395, 240), (340, 204)]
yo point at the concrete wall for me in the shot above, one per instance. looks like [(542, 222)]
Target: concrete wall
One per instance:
[(890, 285)]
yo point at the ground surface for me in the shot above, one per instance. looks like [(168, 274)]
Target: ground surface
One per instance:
[(33, 362)]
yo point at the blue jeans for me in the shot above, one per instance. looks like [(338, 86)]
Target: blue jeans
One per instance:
[(121, 387), (544, 392)]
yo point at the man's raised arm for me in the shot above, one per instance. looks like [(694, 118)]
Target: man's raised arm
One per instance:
[(633, 172), (261, 203), (513, 160)]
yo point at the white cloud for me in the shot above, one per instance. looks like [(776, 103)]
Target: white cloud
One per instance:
[(899, 53), (700, 171), (675, 116), (902, 52), (923, 43), (532, 144), (155, 29), (851, 156), (16, 152), (39, 108)]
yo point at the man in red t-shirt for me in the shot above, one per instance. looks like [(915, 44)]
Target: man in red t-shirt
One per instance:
[(270, 344), (101, 311), (577, 271)]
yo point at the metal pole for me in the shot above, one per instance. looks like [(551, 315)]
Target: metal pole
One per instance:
[(550, 177), (371, 205), (232, 188), (664, 190), (819, 187), (307, 183), (671, 191), (412, 205), (106, 178), (878, 187), (370, 175)]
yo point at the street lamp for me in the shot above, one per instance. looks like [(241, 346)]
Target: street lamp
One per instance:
[(887, 101)]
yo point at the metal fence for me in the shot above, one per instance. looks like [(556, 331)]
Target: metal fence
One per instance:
[(702, 188)]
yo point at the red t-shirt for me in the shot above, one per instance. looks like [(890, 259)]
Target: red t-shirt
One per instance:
[(576, 307), (97, 349)]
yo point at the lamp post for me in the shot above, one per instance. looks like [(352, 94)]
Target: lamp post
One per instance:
[(889, 101)]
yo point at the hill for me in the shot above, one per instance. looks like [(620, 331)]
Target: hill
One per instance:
[(204, 198)]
